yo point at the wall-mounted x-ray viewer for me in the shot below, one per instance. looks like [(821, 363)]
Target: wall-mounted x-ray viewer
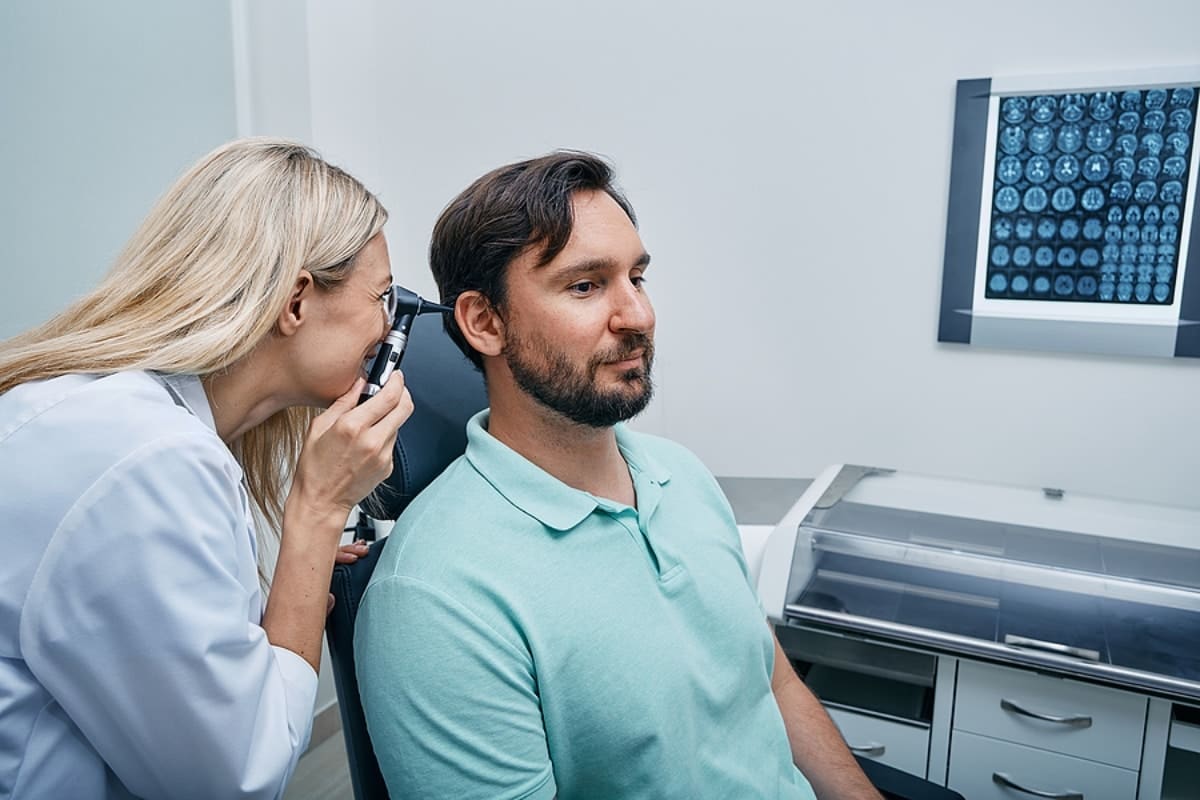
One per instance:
[(1072, 222)]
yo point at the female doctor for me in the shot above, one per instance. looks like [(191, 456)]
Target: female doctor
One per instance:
[(142, 432)]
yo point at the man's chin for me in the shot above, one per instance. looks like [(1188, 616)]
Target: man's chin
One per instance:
[(628, 387), (633, 399)]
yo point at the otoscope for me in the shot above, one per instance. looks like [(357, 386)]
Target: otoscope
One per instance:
[(408, 305)]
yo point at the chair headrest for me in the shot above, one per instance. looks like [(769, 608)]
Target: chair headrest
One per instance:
[(447, 391)]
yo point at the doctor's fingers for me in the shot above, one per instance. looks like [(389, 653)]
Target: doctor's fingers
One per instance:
[(346, 420), (397, 416), (377, 442), (389, 409), (336, 410), (381, 438), (349, 553), (376, 409)]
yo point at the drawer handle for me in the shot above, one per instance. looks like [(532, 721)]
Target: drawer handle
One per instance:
[(1004, 780), (872, 750), (1077, 721), (1051, 647)]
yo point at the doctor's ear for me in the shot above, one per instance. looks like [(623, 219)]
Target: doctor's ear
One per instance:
[(295, 310), (480, 323)]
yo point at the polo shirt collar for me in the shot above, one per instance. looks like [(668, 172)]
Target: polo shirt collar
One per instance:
[(535, 491)]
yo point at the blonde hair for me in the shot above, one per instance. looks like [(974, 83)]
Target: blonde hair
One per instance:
[(203, 279)]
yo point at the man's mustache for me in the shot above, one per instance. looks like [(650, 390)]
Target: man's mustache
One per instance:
[(630, 345)]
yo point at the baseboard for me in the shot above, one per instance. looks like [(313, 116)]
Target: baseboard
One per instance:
[(326, 723)]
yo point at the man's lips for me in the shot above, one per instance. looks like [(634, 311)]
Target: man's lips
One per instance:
[(634, 360)]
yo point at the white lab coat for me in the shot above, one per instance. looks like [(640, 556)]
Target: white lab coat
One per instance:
[(132, 662)]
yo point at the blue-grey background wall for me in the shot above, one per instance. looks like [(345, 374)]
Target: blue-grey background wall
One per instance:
[(101, 106)]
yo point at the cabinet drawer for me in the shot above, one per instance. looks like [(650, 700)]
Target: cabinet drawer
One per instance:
[(903, 746), (1093, 722), (988, 769)]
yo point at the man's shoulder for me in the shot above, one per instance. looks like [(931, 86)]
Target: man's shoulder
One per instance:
[(460, 491), (458, 512)]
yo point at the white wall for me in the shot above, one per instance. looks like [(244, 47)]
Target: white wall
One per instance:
[(102, 105), (790, 164)]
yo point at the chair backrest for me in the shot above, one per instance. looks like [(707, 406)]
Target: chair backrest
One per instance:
[(349, 582), (446, 390)]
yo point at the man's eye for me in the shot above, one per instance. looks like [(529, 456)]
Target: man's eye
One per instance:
[(583, 287), (638, 280)]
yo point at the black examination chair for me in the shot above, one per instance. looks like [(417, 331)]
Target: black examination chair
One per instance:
[(447, 391)]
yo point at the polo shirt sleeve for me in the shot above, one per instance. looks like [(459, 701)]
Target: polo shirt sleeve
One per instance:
[(451, 705), (138, 623), (724, 521)]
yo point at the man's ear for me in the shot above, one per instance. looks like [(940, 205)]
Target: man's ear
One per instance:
[(295, 311), (479, 322)]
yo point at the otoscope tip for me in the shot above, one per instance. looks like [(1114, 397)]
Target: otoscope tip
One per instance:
[(427, 307)]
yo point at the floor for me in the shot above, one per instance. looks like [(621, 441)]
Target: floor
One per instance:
[(322, 773)]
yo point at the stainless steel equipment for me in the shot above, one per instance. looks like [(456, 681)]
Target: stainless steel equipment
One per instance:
[(1090, 586)]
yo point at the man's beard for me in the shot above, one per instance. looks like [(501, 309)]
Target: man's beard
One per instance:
[(549, 377)]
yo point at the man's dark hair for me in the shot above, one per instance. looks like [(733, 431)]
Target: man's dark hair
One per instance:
[(499, 216)]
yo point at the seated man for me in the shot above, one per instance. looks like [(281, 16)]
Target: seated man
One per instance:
[(566, 610)]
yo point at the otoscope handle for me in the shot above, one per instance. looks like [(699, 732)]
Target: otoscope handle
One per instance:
[(388, 358)]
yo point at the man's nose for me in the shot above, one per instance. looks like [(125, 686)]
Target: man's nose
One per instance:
[(632, 310)]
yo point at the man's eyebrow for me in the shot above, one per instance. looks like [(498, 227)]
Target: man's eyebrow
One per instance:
[(590, 265)]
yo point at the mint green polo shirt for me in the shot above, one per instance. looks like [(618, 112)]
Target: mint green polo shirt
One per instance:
[(524, 639)]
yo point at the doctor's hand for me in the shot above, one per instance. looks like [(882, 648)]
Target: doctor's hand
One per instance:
[(348, 449), (349, 553), (346, 453)]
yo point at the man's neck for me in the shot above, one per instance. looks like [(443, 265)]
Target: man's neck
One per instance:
[(580, 456)]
